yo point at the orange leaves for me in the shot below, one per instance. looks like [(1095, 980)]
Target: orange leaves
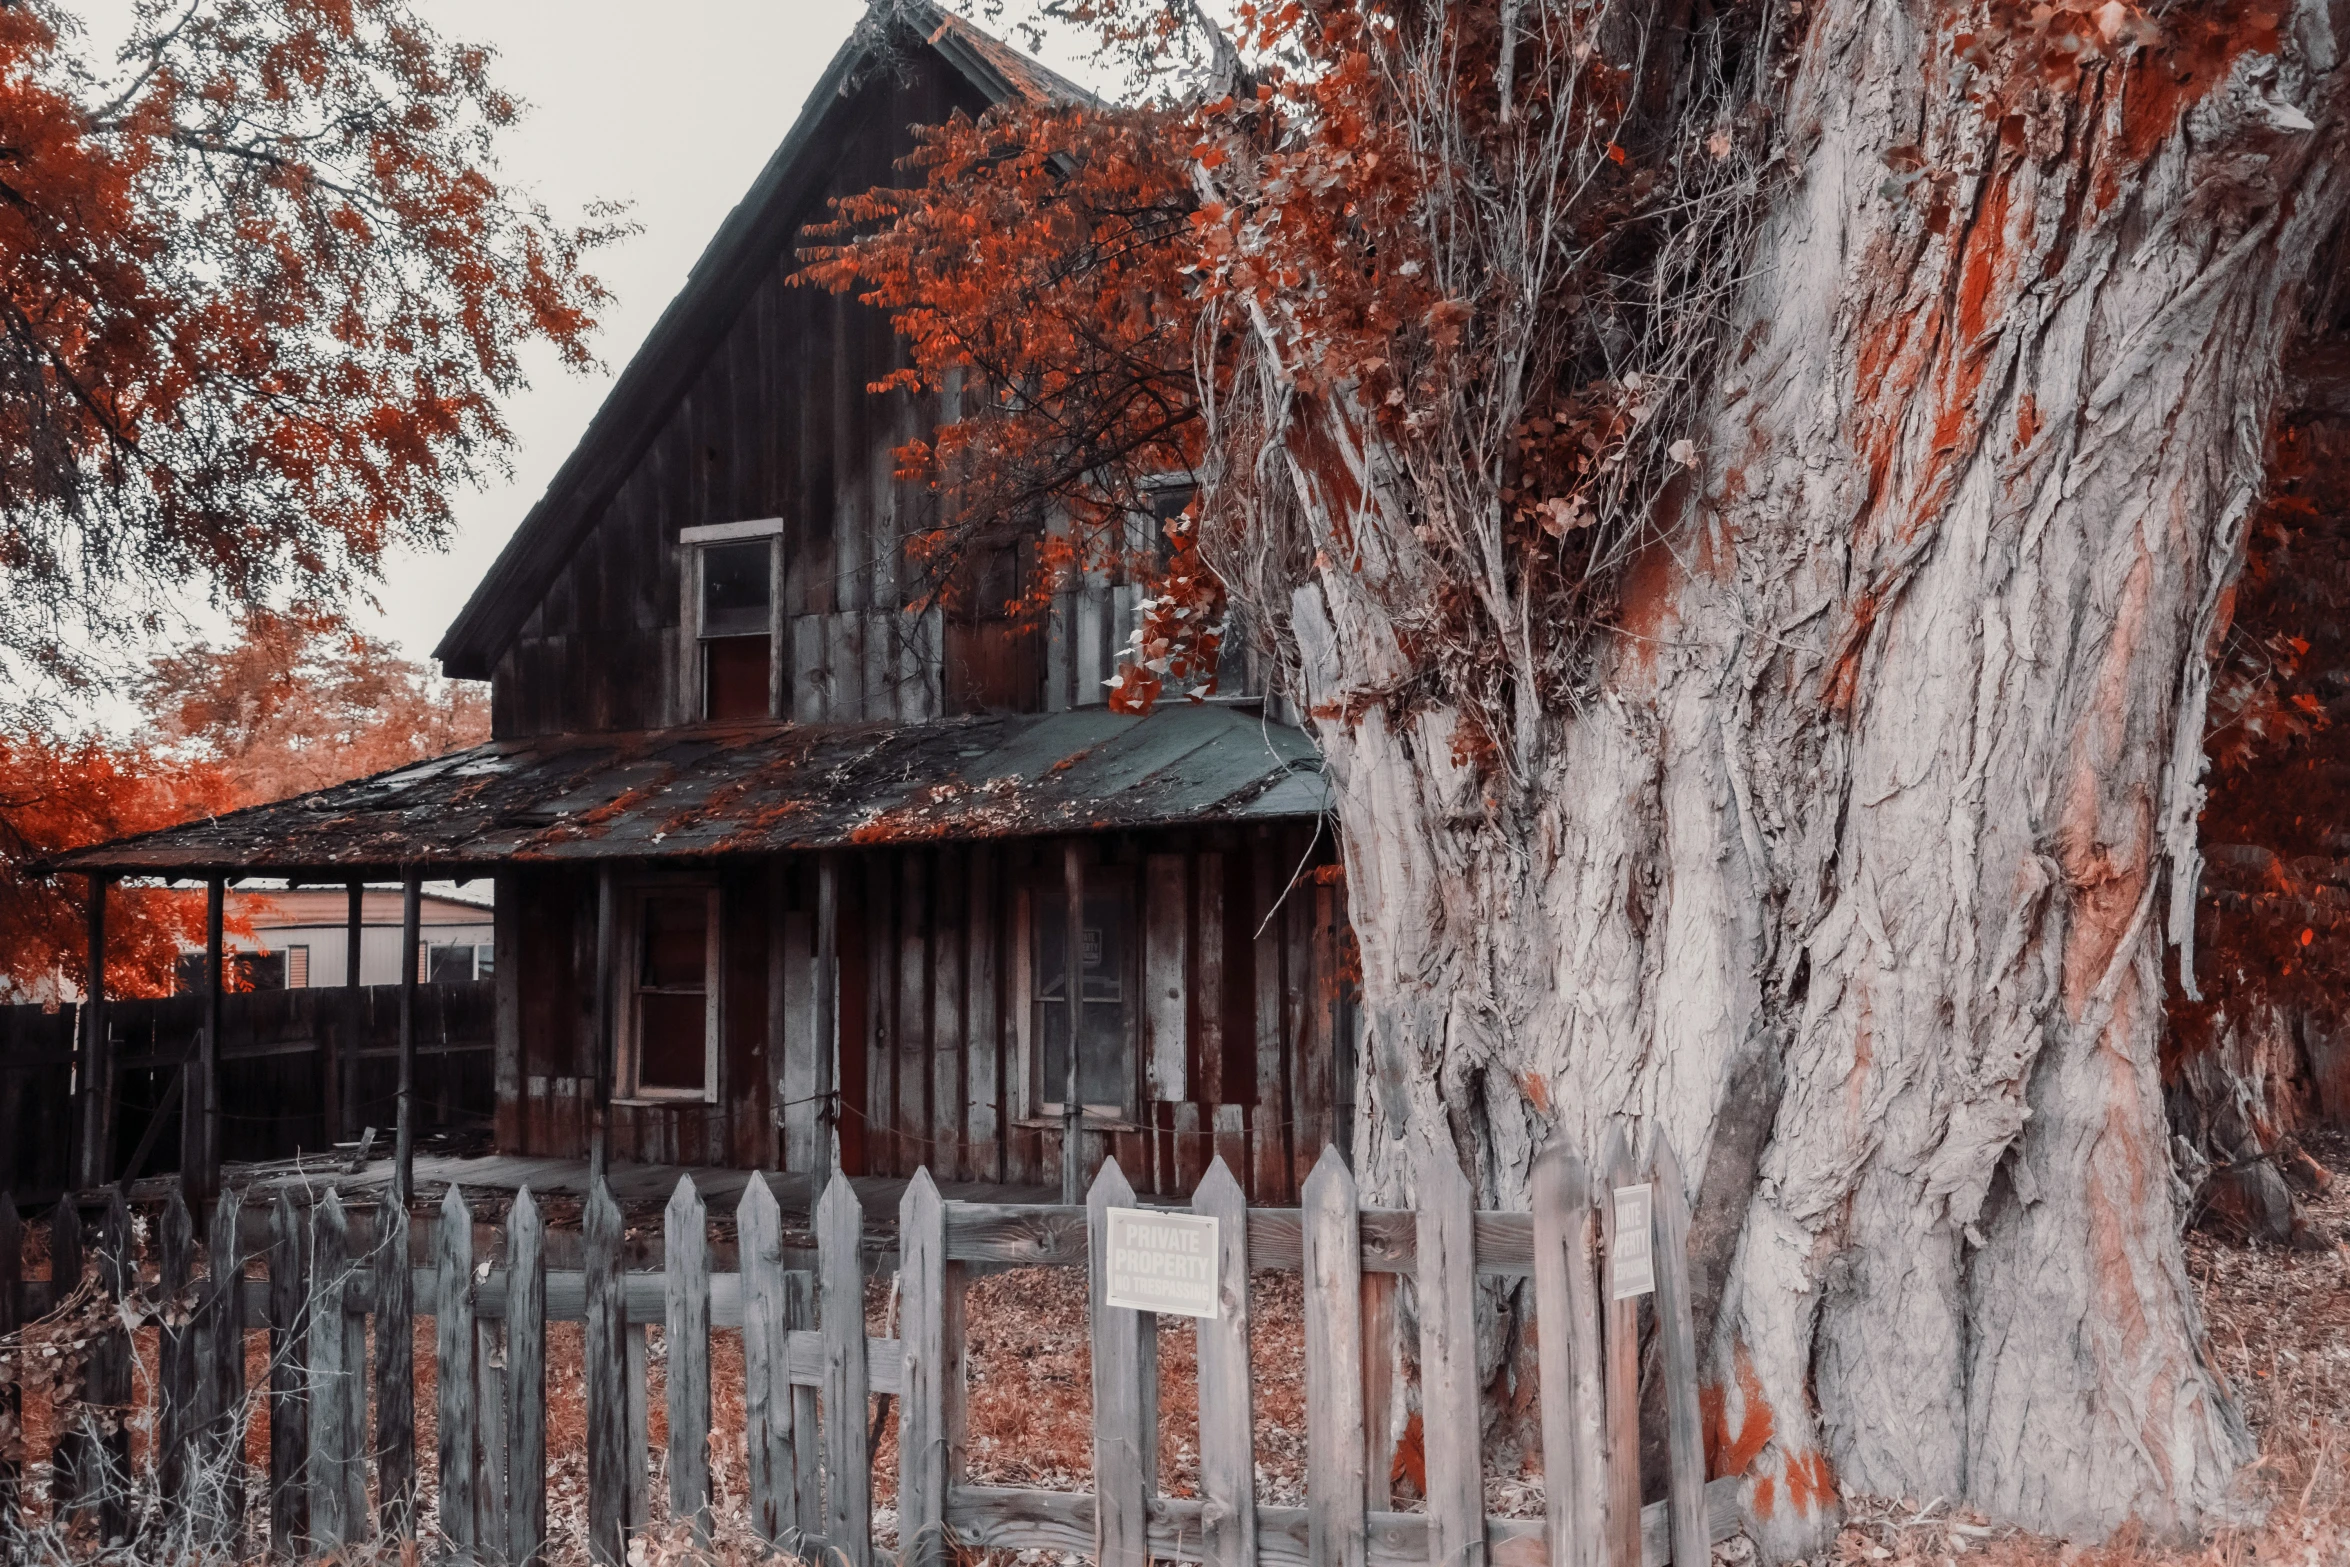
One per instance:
[(263, 307)]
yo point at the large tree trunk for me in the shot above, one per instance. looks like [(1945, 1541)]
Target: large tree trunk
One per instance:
[(1853, 872)]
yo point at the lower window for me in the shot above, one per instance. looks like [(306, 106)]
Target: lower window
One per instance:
[(670, 1046)]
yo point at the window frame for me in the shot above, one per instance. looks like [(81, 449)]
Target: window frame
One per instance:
[(627, 1038), (1044, 890), (696, 543)]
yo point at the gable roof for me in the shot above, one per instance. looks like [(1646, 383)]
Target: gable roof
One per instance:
[(730, 267)]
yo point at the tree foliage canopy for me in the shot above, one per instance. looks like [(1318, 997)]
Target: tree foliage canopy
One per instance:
[(263, 288)]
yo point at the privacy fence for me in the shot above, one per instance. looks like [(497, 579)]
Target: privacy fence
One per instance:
[(1594, 1249)]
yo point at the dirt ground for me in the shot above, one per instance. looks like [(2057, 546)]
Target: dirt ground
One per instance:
[(2279, 1325)]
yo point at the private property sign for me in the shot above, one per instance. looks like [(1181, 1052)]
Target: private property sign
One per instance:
[(1162, 1262)]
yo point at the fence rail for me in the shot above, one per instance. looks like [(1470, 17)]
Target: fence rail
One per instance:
[(811, 1369)]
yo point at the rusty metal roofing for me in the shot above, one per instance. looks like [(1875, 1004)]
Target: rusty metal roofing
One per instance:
[(760, 789)]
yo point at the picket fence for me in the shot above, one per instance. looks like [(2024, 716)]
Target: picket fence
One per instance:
[(810, 1370)]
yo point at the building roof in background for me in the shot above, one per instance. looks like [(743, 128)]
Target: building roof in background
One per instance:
[(712, 789), (746, 245), (272, 909)]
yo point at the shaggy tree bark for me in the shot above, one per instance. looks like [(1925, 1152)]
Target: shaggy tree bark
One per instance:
[(1853, 869)]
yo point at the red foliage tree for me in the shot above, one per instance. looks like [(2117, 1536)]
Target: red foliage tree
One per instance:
[(261, 289), (58, 794)]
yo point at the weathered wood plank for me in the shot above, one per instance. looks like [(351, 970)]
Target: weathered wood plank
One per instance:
[(1269, 1179), (1684, 1433), (807, 1448), (526, 1380), (1380, 1393), (1207, 1009), (1062, 1522), (70, 1433), (686, 1275), (1333, 1271), (1231, 1137), (109, 1450), (767, 1412), (636, 1470), (984, 1112), (1227, 1413), (922, 1441), (453, 1351), (290, 1284), (1024, 1150), (1566, 1323), (395, 1377), (848, 1511), (223, 1508), (1621, 1368), (1166, 920), (913, 999), (606, 1373), (1447, 1301), (800, 1069), (945, 1154), (1192, 1148), (1121, 1434), (337, 1471)]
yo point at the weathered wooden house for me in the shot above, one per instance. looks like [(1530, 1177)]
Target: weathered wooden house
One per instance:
[(782, 867)]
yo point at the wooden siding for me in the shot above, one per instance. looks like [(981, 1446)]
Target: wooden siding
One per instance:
[(1238, 1037), (779, 422)]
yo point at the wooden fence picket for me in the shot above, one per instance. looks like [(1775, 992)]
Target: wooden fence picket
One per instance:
[(1684, 1433), (686, 1286), (1446, 1294), (767, 1402), (922, 1437), (1125, 1345), (175, 1354), (848, 1479), (1566, 1323), (65, 1276), (395, 1380), (1227, 1415), (525, 1534), (224, 1380), (453, 1350), (607, 1389), (1335, 1524), (108, 1452), (336, 1380), (1621, 1339), (807, 1450), (11, 1396), (290, 1283)]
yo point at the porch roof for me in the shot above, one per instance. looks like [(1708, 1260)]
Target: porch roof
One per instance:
[(710, 790)]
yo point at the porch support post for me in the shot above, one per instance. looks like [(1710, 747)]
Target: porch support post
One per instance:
[(1073, 986), (411, 920), (827, 1016), (200, 1099), (354, 1009), (97, 1074), (607, 1025)]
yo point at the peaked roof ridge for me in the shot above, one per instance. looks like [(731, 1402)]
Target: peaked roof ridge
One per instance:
[(663, 367)]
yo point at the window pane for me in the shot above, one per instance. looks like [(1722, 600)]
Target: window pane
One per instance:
[(449, 966), (736, 671), (670, 1039), (485, 961), (1106, 1060), (676, 928), (735, 584)]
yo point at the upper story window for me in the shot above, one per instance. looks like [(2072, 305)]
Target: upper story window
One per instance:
[(730, 587)]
